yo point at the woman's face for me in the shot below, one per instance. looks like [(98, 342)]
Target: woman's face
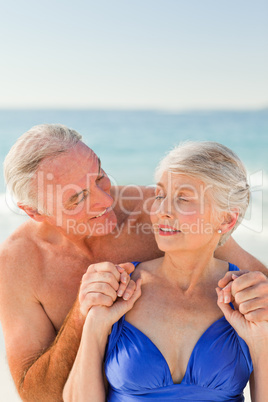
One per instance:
[(182, 214)]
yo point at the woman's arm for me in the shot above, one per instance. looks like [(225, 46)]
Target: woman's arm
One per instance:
[(259, 377), (85, 382), (86, 379), (255, 334)]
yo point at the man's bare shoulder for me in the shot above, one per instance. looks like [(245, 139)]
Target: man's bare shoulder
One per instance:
[(19, 250)]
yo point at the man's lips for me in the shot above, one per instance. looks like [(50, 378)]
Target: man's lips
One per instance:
[(104, 212), (165, 230)]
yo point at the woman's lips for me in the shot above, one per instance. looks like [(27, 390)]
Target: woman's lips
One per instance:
[(165, 230)]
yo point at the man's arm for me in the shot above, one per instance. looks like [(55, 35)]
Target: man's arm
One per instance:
[(255, 335), (250, 291), (232, 252), (39, 360)]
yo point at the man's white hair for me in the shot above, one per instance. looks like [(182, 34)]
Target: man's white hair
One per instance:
[(22, 161), (216, 166)]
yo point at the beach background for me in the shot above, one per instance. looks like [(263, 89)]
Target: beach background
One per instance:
[(136, 78), (130, 144)]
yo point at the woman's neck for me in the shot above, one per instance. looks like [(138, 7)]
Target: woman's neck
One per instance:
[(189, 269)]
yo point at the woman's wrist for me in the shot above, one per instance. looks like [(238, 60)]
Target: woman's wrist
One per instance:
[(258, 350), (97, 326)]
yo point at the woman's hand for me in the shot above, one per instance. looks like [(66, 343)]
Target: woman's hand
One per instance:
[(104, 317), (85, 382), (103, 283)]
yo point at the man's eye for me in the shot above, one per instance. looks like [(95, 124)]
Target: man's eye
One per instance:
[(100, 177), (81, 197), (159, 197)]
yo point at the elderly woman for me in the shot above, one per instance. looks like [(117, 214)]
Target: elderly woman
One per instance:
[(174, 343)]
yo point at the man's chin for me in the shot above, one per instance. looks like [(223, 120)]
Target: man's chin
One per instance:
[(103, 226)]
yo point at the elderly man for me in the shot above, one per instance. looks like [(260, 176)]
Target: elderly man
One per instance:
[(77, 220)]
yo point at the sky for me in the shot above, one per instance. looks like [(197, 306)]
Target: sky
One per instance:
[(140, 54)]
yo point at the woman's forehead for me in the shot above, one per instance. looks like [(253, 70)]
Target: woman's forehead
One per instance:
[(179, 179)]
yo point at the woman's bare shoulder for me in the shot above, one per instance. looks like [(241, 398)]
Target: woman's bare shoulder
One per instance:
[(146, 269)]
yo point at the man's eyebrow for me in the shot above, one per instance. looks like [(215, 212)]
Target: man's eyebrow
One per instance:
[(160, 185), (74, 197), (99, 162)]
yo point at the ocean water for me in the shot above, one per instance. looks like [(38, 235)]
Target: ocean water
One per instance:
[(130, 144)]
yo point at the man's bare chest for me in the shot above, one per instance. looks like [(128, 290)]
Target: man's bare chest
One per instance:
[(58, 284)]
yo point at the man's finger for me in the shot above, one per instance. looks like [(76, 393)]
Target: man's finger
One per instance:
[(103, 277), (248, 280), (128, 267), (105, 267), (99, 287), (252, 305), (228, 277), (259, 291), (257, 315)]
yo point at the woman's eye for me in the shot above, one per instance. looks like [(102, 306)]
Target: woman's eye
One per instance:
[(183, 199)]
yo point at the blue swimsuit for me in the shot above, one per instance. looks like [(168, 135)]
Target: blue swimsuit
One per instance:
[(218, 369)]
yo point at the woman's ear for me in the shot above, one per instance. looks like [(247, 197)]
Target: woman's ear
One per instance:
[(229, 221), (31, 212)]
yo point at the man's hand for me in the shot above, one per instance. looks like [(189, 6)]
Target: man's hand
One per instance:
[(248, 292), (254, 333), (102, 318), (103, 283)]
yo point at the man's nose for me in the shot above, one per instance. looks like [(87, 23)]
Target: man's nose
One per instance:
[(100, 198)]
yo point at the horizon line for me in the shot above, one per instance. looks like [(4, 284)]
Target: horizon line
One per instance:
[(137, 109)]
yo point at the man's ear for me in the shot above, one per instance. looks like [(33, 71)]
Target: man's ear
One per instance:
[(229, 221), (31, 212)]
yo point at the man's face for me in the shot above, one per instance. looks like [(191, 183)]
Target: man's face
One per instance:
[(75, 193)]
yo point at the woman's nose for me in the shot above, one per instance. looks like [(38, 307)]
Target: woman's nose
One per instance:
[(165, 209)]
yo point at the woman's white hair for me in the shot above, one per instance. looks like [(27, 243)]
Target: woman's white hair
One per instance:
[(22, 161), (216, 166)]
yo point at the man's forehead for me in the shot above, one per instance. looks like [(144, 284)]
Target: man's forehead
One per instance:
[(76, 162)]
